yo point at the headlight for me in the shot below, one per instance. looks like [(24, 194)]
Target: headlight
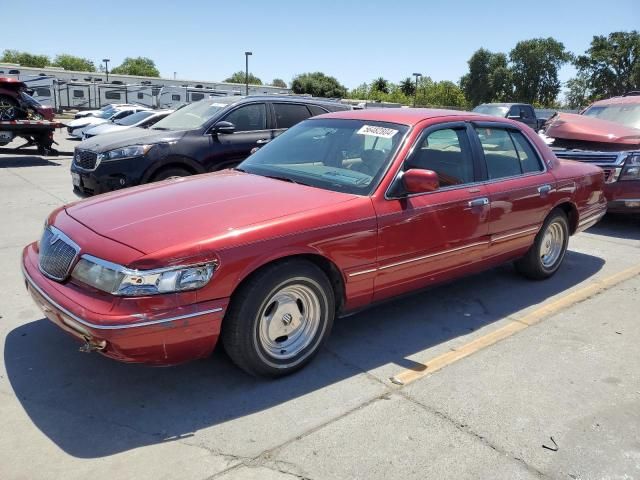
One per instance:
[(118, 280), (631, 169), (124, 152)]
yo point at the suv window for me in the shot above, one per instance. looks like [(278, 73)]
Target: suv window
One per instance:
[(499, 152), (316, 110), (288, 114), (514, 111), (527, 112), (529, 160), (249, 117), (447, 152)]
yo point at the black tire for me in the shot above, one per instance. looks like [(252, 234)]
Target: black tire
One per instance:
[(170, 172), (246, 331), (533, 265), (9, 108)]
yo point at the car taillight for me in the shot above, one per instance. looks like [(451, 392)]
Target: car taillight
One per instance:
[(631, 169)]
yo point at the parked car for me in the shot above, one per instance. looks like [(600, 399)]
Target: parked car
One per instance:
[(77, 127), (17, 104), (521, 112), (204, 136), (141, 119), (97, 113), (338, 212), (606, 134)]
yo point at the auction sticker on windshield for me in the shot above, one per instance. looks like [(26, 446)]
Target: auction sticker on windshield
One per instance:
[(375, 131)]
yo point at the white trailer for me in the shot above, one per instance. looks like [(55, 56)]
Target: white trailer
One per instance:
[(173, 97)]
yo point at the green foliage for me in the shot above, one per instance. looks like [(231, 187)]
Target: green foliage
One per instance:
[(71, 62), (407, 87), (278, 82), (489, 78), (429, 93), (239, 77), (534, 69), (319, 85), (24, 58), (610, 67), (380, 85), (139, 66)]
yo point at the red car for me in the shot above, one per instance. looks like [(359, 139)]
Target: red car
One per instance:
[(606, 134), (339, 212), (17, 104)]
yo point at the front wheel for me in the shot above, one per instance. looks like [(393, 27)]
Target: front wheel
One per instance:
[(170, 173), (547, 252), (279, 319)]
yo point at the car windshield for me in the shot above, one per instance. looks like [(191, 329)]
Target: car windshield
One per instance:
[(625, 114), (107, 114), (348, 156), (495, 110), (133, 119), (194, 115)]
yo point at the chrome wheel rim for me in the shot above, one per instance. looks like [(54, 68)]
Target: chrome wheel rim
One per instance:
[(7, 110), (289, 321), (552, 245)]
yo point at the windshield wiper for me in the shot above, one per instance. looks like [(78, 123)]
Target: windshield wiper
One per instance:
[(284, 179)]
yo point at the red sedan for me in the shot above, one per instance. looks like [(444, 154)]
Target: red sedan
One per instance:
[(339, 212)]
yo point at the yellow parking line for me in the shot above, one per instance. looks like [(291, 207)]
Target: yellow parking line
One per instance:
[(423, 369)]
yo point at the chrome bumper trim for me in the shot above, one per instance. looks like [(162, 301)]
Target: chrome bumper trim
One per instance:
[(112, 327), (590, 221), (499, 238)]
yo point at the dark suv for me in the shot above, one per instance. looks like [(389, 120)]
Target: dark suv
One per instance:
[(205, 136)]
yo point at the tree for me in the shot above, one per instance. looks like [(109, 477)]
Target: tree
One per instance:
[(534, 69), (489, 78), (578, 94), (24, 58), (239, 77), (611, 65), (70, 62), (319, 85), (139, 66), (380, 85), (408, 87), (278, 82)]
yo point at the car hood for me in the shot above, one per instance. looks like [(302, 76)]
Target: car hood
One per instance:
[(129, 136), (209, 209), (571, 126), (79, 122), (106, 128)]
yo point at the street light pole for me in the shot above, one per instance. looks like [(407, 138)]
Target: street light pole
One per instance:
[(415, 93), (246, 72), (106, 67)]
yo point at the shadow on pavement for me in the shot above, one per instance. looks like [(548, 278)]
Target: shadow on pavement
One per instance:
[(56, 383), (26, 161), (618, 225)]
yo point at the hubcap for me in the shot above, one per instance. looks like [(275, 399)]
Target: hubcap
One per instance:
[(289, 321), (552, 244)]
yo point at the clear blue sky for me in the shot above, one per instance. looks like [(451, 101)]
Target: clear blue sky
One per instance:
[(354, 41)]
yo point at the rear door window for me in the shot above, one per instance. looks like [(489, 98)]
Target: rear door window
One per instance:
[(507, 153), (316, 110), (288, 114), (529, 160)]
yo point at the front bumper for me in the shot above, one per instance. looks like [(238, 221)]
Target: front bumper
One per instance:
[(108, 176), (165, 337), (623, 196)]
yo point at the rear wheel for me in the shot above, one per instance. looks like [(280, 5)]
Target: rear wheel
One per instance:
[(547, 252), (279, 319), (8, 108), (169, 173)]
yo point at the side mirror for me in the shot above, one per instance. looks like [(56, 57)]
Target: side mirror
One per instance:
[(417, 180), (223, 128)]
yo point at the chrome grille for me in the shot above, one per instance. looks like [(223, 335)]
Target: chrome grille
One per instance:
[(587, 157), (57, 254), (85, 159)]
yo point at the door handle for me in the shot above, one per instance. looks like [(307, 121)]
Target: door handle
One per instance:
[(479, 202), (544, 189), (262, 141)]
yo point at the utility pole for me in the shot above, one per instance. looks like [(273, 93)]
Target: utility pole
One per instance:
[(246, 72), (106, 67), (415, 93)]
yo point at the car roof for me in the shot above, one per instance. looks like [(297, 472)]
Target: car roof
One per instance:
[(406, 116), (288, 98), (503, 104), (625, 99)]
